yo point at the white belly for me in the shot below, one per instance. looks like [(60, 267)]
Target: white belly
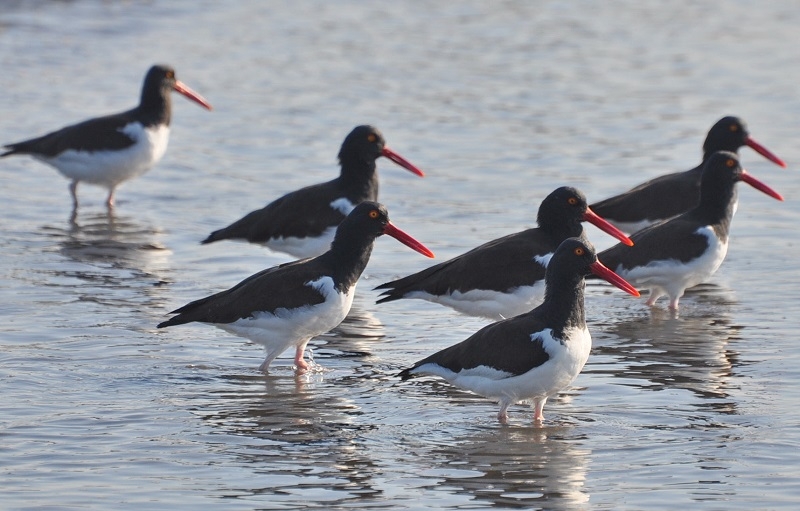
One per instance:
[(294, 327), (565, 363), (110, 168), (489, 304), (673, 277)]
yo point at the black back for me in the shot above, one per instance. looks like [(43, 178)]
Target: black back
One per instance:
[(505, 263), (672, 194), (102, 133), (676, 239), (285, 286), (307, 212)]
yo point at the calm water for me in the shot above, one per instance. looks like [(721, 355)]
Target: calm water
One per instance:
[(500, 103)]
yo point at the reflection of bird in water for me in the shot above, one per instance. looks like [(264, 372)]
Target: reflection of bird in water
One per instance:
[(530, 468), (305, 438), (690, 352), (111, 256)]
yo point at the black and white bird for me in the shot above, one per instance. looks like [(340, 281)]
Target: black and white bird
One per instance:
[(533, 356), (302, 223), (287, 305), (672, 194), (679, 253), (504, 277), (106, 151)]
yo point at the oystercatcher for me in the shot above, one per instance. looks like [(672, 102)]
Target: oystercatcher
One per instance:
[(679, 253), (534, 355), (302, 223), (504, 277), (106, 151), (672, 194), (287, 305)]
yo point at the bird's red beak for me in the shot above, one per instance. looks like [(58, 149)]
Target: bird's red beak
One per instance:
[(763, 151), (407, 240), (402, 161), (181, 88), (758, 185), (599, 222), (609, 276)]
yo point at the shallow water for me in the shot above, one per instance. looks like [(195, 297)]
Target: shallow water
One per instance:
[(499, 103)]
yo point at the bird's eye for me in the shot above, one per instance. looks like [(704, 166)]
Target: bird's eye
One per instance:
[(374, 213), (572, 201), (371, 137), (170, 74), (734, 127), (579, 251), (730, 163)]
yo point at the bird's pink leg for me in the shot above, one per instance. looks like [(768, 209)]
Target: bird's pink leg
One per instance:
[(502, 415), (298, 358), (110, 199), (538, 409)]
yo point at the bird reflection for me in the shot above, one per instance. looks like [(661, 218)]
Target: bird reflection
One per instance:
[(690, 352), (112, 256), (302, 435), (516, 467)]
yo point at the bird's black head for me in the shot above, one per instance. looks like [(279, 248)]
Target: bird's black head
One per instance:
[(161, 77), (727, 134), (364, 143), (574, 256), (564, 207), (368, 218), (722, 171)]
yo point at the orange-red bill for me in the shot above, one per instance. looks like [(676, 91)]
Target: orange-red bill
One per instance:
[(407, 240), (609, 276), (599, 222), (763, 151), (402, 161), (758, 185), (181, 88)]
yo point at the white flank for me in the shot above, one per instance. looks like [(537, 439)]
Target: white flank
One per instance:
[(311, 246), (343, 205), (492, 304), (565, 363), (672, 277), (294, 327), (110, 168), (303, 247)]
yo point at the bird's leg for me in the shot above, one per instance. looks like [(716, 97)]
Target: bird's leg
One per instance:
[(73, 190), (502, 415), (538, 407), (298, 358), (654, 295), (110, 199), (673, 304)]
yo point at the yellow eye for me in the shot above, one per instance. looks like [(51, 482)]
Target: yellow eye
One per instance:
[(579, 251), (572, 201), (374, 213), (371, 137), (730, 163), (170, 74), (734, 127)]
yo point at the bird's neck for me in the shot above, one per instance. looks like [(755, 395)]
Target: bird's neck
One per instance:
[(558, 229), (717, 205), (155, 107), (348, 259), (360, 176), (563, 305)]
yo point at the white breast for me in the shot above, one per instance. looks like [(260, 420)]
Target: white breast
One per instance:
[(110, 168)]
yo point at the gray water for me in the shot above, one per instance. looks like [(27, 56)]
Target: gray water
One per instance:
[(500, 103)]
